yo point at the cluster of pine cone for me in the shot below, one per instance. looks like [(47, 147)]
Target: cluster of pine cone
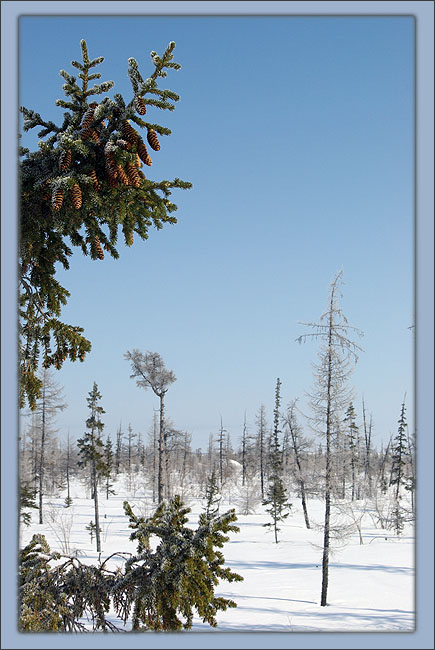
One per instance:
[(58, 194), (130, 175)]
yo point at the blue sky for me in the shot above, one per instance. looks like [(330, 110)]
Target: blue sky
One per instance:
[(297, 134)]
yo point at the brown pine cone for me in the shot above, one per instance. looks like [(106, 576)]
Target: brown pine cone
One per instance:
[(143, 153), (98, 249), (89, 134), (128, 132), (140, 106), (110, 162), (65, 159), (122, 175), (93, 175), (88, 117), (57, 199), (153, 140), (76, 196), (133, 175)]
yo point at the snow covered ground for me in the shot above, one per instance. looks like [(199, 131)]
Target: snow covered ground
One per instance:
[(371, 586)]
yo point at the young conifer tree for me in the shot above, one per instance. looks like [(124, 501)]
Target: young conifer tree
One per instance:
[(81, 187), (276, 496), (352, 438), (92, 452), (162, 588), (27, 500), (212, 496), (399, 479)]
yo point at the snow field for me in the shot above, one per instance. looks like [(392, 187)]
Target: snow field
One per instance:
[(371, 586)]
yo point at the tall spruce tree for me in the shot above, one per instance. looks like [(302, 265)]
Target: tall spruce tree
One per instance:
[(352, 439), (91, 451), (276, 496), (399, 478), (331, 394), (83, 185)]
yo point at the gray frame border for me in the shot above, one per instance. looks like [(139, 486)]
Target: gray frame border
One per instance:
[(423, 11)]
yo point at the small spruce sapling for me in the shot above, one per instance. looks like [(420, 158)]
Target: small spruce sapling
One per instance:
[(27, 500), (92, 530), (212, 496), (276, 496), (162, 588)]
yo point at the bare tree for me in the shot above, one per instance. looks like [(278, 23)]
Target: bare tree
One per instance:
[(243, 449), (68, 500), (130, 436), (261, 428), (118, 450), (298, 444), (149, 371), (43, 417), (221, 440), (331, 394)]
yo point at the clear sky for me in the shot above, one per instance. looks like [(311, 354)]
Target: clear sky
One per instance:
[(298, 136)]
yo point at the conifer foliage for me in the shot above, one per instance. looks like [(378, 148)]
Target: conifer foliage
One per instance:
[(79, 189), (163, 588), (158, 589), (27, 500)]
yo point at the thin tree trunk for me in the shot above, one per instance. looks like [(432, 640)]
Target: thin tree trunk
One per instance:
[(275, 527), (42, 458), (304, 505), (352, 466), (96, 509), (68, 496), (261, 466), (161, 449), (154, 455), (168, 486), (325, 559), (244, 452)]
